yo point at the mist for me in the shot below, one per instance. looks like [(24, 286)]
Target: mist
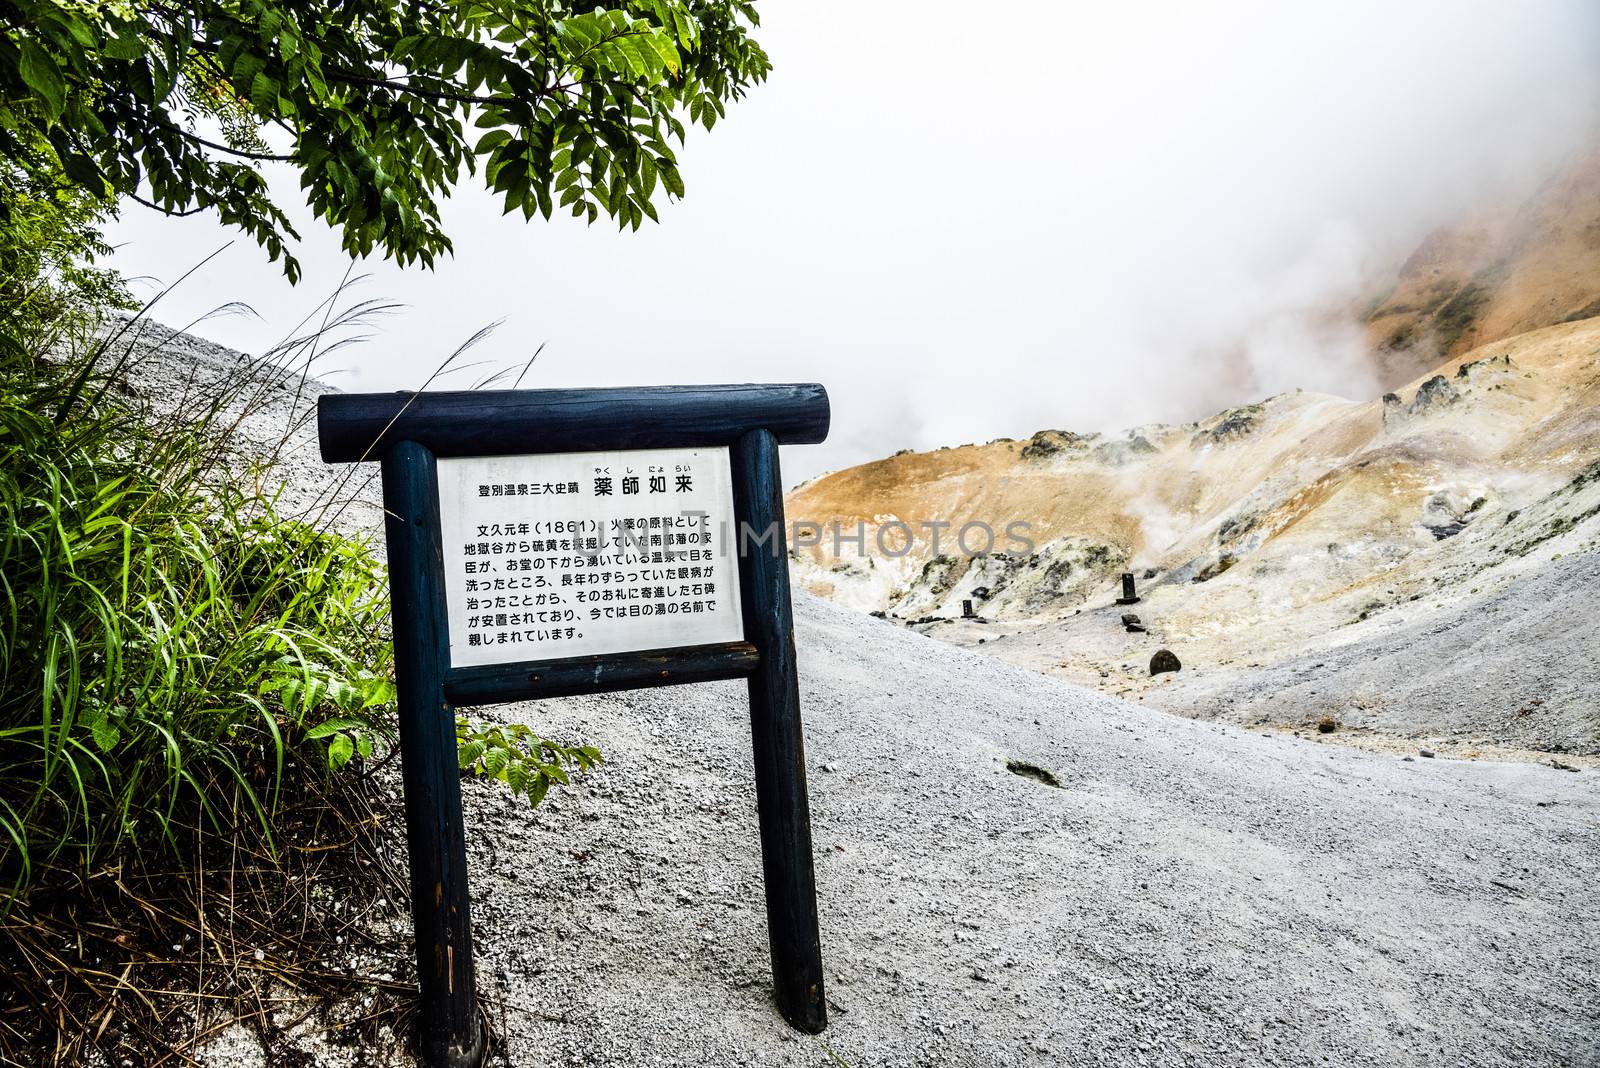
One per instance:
[(972, 221)]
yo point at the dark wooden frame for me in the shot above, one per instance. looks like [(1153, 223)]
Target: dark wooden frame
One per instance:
[(407, 432)]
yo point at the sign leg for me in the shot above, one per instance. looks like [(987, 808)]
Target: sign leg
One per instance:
[(450, 1032), (780, 768)]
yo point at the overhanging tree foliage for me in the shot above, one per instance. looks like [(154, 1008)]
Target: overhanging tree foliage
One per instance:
[(380, 104)]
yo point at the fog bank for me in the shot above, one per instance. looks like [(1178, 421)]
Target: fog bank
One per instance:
[(973, 222)]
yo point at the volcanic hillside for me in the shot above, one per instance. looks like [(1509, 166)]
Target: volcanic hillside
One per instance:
[(1274, 531), (1509, 269)]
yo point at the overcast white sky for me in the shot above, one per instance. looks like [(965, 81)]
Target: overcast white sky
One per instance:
[(972, 220)]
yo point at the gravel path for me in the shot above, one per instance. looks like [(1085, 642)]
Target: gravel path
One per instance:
[(1191, 893)]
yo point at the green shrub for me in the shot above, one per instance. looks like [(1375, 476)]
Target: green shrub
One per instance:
[(49, 241), (168, 642), (171, 645), (518, 756)]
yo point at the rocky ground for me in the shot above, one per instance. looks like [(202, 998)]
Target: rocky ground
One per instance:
[(1515, 667), (1185, 892)]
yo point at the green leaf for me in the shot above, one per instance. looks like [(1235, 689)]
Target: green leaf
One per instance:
[(124, 45), (670, 177), (245, 70), (331, 726), (494, 761), (106, 735), (75, 26), (469, 754), (264, 94), (340, 750), (491, 140), (647, 175), (42, 76)]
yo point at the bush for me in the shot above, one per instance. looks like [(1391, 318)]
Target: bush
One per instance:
[(168, 642), (171, 645), (49, 242)]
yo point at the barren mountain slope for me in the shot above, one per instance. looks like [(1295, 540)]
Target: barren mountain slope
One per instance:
[(1266, 532), (1511, 269), (1190, 894)]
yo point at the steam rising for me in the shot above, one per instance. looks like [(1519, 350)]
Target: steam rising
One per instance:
[(972, 221)]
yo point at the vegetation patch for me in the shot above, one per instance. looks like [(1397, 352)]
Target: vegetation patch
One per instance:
[(196, 706), (1034, 772), (1231, 425), (195, 689), (1215, 568), (1588, 311), (1458, 314), (1050, 442), (1236, 526), (1401, 338)]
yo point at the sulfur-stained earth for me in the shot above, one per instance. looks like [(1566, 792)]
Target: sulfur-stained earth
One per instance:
[(1429, 556)]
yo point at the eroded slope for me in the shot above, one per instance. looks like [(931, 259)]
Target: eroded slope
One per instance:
[(1267, 532)]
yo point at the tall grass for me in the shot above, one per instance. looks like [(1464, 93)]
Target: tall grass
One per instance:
[(191, 666), (169, 643)]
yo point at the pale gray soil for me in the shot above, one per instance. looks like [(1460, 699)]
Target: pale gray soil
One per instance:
[(1517, 666), (1495, 652), (1192, 893)]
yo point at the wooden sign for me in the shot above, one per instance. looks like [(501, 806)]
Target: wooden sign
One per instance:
[(552, 542), (583, 553)]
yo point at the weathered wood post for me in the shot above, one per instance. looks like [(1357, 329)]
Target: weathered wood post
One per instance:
[(780, 763), (450, 1034)]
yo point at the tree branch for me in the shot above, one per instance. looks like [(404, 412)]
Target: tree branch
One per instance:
[(270, 157), (406, 87), (440, 94), (173, 212)]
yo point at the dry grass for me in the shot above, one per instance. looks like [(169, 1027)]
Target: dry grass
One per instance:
[(142, 966)]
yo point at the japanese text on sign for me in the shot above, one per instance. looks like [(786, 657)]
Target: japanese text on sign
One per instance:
[(574, 554)]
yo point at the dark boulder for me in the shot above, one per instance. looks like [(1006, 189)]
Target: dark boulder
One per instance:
[(1049, 442), (1164, 660), (1435, 391)]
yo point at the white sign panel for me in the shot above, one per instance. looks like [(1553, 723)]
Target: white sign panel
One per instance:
[(578, 553)]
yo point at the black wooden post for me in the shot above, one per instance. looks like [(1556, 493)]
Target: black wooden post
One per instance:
[(450, 1033), (780, 766)]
